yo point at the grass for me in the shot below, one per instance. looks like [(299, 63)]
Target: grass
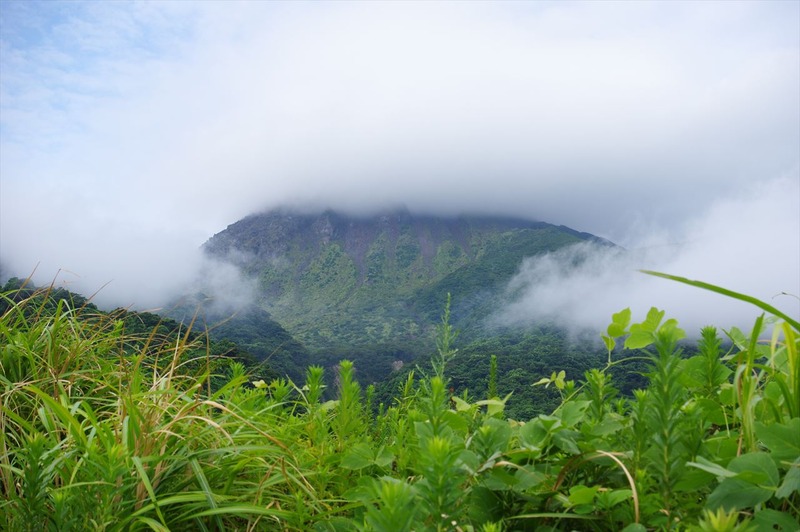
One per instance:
[(95, 437), (105, 429)]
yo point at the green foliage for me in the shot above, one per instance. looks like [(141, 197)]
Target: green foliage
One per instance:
[(523, 358), (106, 429), (491, 388), (103, 430)]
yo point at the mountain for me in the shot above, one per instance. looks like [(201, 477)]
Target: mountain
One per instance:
[(373, 287), (250, 328)]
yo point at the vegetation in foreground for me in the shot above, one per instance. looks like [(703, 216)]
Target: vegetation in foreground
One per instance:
[(107, 429)]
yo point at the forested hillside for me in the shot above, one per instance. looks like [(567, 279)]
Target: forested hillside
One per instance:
[(334, 280), (371, 289), (250, 328)]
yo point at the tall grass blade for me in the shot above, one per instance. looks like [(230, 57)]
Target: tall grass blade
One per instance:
[(137, 462), (730, 293), (203, 481)]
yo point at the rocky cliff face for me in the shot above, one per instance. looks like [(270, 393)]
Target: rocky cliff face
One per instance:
[(335, 280)]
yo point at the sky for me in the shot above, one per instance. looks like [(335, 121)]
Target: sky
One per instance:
[(130, 132)]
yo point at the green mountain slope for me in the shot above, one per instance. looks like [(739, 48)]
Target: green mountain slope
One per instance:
[(372, 288), (251, 329), (335, 280)]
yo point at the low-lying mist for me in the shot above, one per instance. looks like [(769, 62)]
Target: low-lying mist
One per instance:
[(747, 243)]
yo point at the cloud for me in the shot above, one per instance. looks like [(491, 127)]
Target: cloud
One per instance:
[(746, 243), (220, 289), (131, 132)]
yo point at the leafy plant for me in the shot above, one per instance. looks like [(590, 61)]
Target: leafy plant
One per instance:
[(109, 429)]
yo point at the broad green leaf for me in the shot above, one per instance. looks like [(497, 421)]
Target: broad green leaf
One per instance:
[(493, 406), (693, 371), (365, 490), (361, 455), (723, 446), (653, 319), (583, 509), (499, 479), (772, 391), (609, 342), (483, 505), (582, 494), (738, 338), (557, 515), (693, 480), (791, 482), (644, 334), (573, 412), (550, 423), (737, 494), (619, 324), (527, 477), (671, 332), (727, 394), (495, 435), (328, 405), (774, 520), (639, 339), (334, 524), (469, 460), (384, 457), (565, 440), (461, 405), (424, 430), (358, 456), (756, 468), (783, 439), (609, 499), (712, 411), (456, 422), (533, 435), (609, 425), (634, 527)]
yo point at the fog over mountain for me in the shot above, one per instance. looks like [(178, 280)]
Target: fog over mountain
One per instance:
[(131, 132), (741, 244)]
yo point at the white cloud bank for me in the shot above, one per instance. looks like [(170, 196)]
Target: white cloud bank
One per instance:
[(132, 131), (748, 244)]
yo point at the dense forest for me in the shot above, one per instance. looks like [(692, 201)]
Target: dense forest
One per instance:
[(122, 421)]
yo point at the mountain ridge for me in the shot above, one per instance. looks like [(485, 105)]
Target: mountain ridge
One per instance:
[(335, 280)]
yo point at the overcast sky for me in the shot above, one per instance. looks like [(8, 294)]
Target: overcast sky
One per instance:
[(132, 132)]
